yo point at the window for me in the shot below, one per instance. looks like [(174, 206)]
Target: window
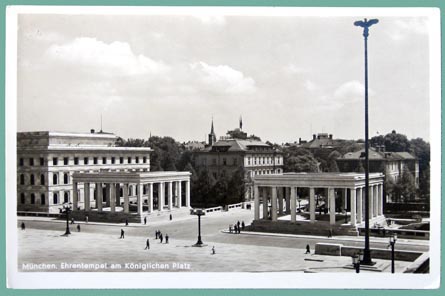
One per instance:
[(22, 179), (85, 160), (32, 180), (76, 160), (95, 160), (137, 159), (22, 198), (104, 160), (42, 179), (55, 198), (66, 197), (33, 198), (55, 160), (65, 178), (21, 161), (65, 160), (42, 161), (31, 161), (42, 199), (113, 160), (248, 161), (224, 161), (55, 179), (129, 159), (144, 159), (121, 160)]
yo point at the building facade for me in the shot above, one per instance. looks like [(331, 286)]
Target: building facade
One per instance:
[(46, 162)]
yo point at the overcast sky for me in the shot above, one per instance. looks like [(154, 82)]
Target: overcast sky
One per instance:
[(288, 77)]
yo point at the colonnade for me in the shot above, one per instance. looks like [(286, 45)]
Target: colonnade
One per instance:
[(280, 200), (171, 194)]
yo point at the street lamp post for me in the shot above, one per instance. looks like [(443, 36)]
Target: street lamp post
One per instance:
[(66, 209), (392, 243), (365, 24), (199, 213), (356, 259)]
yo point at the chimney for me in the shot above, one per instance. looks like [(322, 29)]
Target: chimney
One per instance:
[(330, 136), (313, 137), (92, 131)]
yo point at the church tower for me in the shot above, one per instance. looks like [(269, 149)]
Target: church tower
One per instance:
[(212, 136)]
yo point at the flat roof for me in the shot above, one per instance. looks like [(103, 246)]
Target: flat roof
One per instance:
[(132, 177)]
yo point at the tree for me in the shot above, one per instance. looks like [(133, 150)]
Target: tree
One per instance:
[(304, 163)]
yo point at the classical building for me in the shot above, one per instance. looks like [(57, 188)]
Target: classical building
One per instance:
[(47, 163), (322, 144), (229, 154), (391, 164), (275, 202)]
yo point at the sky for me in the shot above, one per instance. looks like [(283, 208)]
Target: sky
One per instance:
[(288, 76)]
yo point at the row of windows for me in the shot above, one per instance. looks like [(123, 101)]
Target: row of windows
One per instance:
[(86, 160), (262, 160), (32, 179), (264, 172), (42, 200)]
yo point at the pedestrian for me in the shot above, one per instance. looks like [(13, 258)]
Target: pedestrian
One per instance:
[(86, 219), (308, 249), (166, 238), (122, 233), (213, 250), (23, 225), (243, 225), (72, 220), (330, 233), (78, 227), (239, 230), (238, 224), (145, 220), (157, 234), (230, 228), (147, 244), (171, 217), (126, 222), (161, 237)]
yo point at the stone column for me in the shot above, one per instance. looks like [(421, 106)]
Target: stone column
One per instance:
[(287, 195), (179, 194), (312, 204), (139, 198), (112, 198), (170, 195), (293, 204), (107, 196), (274, 203), (126, 199), (118, 194), (380, 197), (256, 203), (265, 203), (187, 193), (161, 196), (371, 201), (86, 188), (331, 197), (353, 206), (359, 205), (75, 196), (99, 198), (150, 197), (345, 199), (280, 201)]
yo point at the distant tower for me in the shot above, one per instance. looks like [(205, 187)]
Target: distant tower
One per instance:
[(212, 136), (240, 122)]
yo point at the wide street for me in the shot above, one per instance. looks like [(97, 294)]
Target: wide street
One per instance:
[(100, 243)]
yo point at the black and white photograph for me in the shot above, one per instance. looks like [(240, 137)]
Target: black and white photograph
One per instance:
[(223, 147)]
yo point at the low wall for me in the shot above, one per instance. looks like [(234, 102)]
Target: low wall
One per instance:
[(401, 233), (385, 254), (301, 227), (95, 216), (420, 265)]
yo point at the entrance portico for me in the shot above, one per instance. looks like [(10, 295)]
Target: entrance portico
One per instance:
[(338, 193), (143, 193)]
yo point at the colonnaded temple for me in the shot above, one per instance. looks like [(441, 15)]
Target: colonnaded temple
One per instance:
[(326, 202)]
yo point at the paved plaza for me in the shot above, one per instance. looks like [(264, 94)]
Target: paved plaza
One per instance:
[(98, 247)]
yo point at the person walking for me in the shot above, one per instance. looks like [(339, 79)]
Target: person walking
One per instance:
[(330, 233), (213, 250), (145, 220), (23, 226), (86, 219), (161, 238), (238, 224), (157, 234), (122, 233), (171, 217), (230, 228), (78, 227), (126, 222), (308, 249), (72, 220), (243, 225), (235, 229), (147, 244), (166, 238)]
